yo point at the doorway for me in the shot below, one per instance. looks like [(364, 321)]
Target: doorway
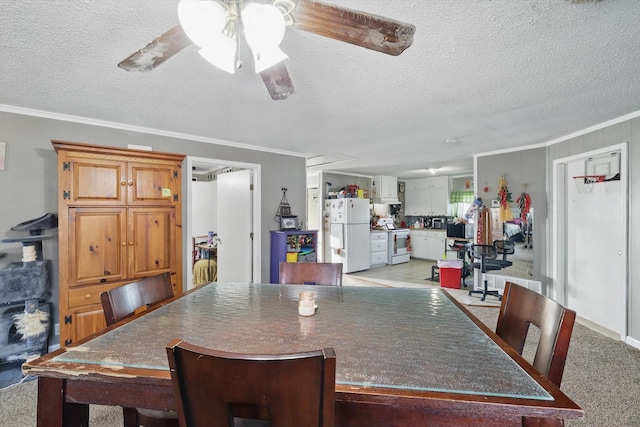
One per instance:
[(226, 225), (589, 245)]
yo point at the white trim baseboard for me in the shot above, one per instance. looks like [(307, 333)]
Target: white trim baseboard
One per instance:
[(633, 342)]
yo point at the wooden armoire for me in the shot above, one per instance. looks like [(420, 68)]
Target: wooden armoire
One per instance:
[(119, 220)]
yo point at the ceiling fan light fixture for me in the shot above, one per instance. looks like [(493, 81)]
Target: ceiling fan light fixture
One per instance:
[(268, 58), (221, 53), (202, 20), (264, 28)]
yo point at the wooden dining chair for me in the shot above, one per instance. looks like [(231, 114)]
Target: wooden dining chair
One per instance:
[(311, 273), (521, 307), (125, 301), (218, 389)]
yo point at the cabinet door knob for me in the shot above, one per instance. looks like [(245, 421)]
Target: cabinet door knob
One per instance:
[(88, 296), (124, 243), (123, 183), (130, 243), (130, 183)]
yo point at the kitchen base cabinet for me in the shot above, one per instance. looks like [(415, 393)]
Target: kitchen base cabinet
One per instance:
[(428, 244), (419, 245), (378, 241), (119, 220)]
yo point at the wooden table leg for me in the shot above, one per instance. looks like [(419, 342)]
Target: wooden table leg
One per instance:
[(53, 411)]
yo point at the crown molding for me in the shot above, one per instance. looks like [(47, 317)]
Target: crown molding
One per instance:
[(140, 129)]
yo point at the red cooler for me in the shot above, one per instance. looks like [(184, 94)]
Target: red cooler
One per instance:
[(450, 273)]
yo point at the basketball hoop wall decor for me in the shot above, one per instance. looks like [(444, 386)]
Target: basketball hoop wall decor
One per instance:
[(585, 183)]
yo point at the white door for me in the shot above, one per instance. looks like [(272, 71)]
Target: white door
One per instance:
[(595, 243), (235, 244), (312, 209)]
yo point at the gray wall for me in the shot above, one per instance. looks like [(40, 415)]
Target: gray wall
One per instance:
[(519, 168), (535, 167), (29, 183), (626, 131)]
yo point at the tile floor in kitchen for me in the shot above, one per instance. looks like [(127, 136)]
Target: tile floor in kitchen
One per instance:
[(415, 274)]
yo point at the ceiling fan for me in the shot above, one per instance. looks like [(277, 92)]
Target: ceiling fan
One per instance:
[(347, 25)]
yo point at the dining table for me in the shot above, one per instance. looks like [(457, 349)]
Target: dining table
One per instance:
[(404, 356)]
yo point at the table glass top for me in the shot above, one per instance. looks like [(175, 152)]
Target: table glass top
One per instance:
[(401, 338)]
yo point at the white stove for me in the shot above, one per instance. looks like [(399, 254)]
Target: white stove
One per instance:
[(399, 247)]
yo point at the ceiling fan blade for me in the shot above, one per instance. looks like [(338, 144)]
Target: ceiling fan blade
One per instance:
[(278, 81), (159, 50), (353, 26)]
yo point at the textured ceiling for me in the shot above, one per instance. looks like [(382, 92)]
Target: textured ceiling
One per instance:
[(492, 74)]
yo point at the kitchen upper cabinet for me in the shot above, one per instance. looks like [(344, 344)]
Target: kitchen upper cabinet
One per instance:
[(386, 189), (119, 220), (426, 196)]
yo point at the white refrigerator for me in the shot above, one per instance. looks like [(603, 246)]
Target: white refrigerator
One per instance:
[(349, 234)]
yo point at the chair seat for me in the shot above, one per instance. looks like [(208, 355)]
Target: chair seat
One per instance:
[(501, 263), (489, 266)]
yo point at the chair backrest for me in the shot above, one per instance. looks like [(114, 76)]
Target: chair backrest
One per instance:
[(505, 247), (522, 307), (290, 390), (486, 252), (125, 300), (311, 273)]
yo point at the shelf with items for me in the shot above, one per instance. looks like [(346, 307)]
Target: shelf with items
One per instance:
[(292, 246), (203, 249)]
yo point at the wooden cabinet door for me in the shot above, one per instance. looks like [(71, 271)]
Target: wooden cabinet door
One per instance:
[(84, 322), (152, 184), (97, 250), (151, 241), (94, 182)]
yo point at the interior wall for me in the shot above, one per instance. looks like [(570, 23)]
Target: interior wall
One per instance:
[(520, 168), (29, 183), (627, 130)]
